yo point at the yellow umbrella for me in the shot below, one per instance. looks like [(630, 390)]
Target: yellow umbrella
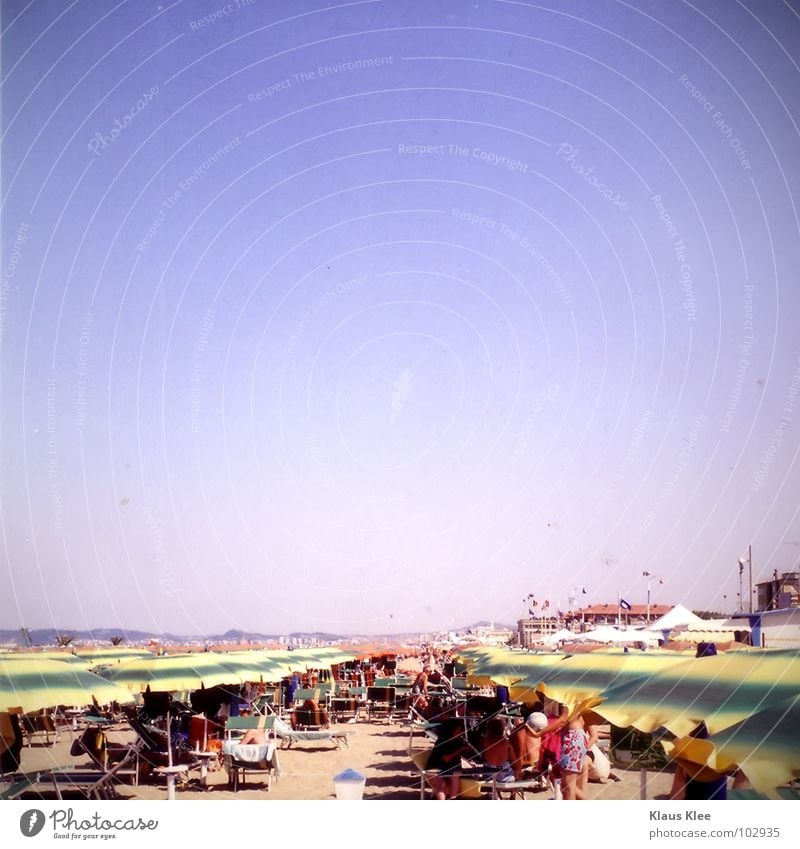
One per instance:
[(765, 745), (42, 683), (170, 673), (720, 691)]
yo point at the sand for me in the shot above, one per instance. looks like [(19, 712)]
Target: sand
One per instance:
[(377, 750)]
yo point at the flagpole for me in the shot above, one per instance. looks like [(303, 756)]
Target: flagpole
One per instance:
[(619, 610)]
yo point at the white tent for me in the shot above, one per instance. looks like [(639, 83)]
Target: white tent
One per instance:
[(678, 617), (607, 634), (561, 636)]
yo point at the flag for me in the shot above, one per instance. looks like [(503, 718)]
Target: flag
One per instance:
[(624, 604)]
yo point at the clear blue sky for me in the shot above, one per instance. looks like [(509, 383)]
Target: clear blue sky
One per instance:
[(378, 316)]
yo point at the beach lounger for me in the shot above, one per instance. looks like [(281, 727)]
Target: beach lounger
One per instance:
[(261, 758), (288, 736)]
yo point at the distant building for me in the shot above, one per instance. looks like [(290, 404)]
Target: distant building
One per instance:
[(779, 593), (609, 614), (532, 629)]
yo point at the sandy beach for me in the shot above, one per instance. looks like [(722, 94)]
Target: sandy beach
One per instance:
[(377, 750)]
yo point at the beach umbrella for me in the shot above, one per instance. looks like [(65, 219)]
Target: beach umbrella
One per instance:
[(60, 656), (503, 666), (586, 676), (720, 691), (169, 673), (765, 746), (35, 684)]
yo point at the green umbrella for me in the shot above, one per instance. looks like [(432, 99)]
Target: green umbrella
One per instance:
[(503, 666), (720, 691), (585, 676), (765, 745), (169, 673), (34, 684)]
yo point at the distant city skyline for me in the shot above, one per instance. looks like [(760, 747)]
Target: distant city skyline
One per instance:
[(373, 316)]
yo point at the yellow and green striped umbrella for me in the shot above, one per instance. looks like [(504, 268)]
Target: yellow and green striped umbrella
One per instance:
[(34, 684), (766, 746), (170, 673), (720, 691), (502, 666), (586, 676)]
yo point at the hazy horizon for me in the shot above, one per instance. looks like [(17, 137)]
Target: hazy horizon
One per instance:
[(384, 315)]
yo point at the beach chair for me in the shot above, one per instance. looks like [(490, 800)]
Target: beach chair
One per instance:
[(93, 742), (303, 694), (344, 709), (240, 759), (469, 785), (90, 784), (310, 717), (288, 736), (39, 723), (380, 702)]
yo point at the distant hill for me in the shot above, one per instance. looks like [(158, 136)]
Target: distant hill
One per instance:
[(48, 636)]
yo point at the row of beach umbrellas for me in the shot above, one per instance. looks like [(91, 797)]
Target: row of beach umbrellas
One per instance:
[(749, 700), (35, 681)]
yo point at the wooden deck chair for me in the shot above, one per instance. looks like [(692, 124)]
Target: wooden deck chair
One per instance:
[(255, 757)]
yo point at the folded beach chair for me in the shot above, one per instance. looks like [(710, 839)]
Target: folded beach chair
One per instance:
[(251, 757), (93, 742), (90, 784)]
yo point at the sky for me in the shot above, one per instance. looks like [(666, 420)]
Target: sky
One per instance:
[(382, 316)]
